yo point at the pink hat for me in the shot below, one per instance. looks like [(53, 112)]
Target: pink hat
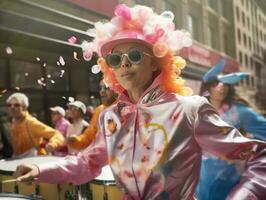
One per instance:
[(139, 24)]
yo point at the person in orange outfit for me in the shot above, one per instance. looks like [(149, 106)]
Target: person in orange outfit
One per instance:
[(28, 133), (80, 142)]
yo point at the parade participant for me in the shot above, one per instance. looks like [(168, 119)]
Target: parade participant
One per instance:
[(61, 124), (82, 141), (219, 176), (27, 133), (77, 111), (154, 135)]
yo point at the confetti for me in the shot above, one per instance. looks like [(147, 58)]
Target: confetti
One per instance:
[(42, 79), (49, 76), (44, 65), (62, 61), (63, 97), (58, 63), (40, 82), (72, 40), (75, 55), (38, 59), (95, 69), (52, 81), (4, 91), (92, 97), (62, 73), (17, 88), (26, 74), (9, 50), (71, 99)]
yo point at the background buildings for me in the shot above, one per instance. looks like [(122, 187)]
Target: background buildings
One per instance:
[(37, 32)]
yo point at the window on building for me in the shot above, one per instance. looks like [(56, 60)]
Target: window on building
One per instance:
[(25, 74), (246, 61), (193, 27), (237, 14), (239, 36), (250, 43), (248, 22), (212, 37), (243, 18), (226, 44), (213, 4), (245, 39), (240, 57)]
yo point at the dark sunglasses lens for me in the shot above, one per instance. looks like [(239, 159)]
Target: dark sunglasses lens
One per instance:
[(113, 60), (135, 56)]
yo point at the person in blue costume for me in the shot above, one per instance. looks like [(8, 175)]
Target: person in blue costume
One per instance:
[(218, 176)]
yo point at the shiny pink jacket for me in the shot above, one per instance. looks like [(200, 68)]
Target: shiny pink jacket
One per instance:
[(154, 148)]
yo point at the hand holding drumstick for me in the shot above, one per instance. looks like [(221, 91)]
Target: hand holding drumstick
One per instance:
[(26, 173)]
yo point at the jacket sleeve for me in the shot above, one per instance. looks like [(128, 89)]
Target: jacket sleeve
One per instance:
[(218, 138), (40, 129), (86, 138), (76, 169), (252, 122)]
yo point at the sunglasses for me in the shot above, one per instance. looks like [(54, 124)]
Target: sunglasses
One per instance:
[(16, 105), (134, 56)]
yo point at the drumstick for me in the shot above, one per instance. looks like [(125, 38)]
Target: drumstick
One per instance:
[(9, 181)]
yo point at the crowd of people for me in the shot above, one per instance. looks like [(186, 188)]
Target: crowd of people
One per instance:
[(26, 136), (160, 141)]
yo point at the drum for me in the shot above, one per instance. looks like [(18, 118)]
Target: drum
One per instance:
[(104, 187), (6, 196), (47, 191)]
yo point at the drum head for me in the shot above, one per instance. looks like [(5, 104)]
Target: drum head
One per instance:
[(8, 167), (106, 177), (8, 196)]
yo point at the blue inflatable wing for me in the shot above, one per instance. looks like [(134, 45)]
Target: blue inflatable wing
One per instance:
[(212, 74)]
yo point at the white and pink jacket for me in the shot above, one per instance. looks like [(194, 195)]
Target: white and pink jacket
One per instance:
[(154, 148)]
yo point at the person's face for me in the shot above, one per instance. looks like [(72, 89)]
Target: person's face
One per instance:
[(219, 91), (55, 116), (107, 96), (15, 108), (133, 76), (75, 113)]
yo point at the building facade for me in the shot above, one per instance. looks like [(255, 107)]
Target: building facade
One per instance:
[(250, 34), (36, 57)]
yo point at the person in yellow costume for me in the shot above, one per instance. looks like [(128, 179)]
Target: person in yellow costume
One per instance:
[(83, 140), (28, 133)]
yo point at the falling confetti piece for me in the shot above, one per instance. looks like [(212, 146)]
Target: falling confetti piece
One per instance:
[(95, 69), (75, 55), (71, 99), (4, 91), (63, 97), (26, 74), (52, 81), (42, 79), (62, 61), (62, 73), (92, 97), (44, 65), (49, 76), (17, 88), (9, 50), (58, 63), (38, 59), (72, 40)]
